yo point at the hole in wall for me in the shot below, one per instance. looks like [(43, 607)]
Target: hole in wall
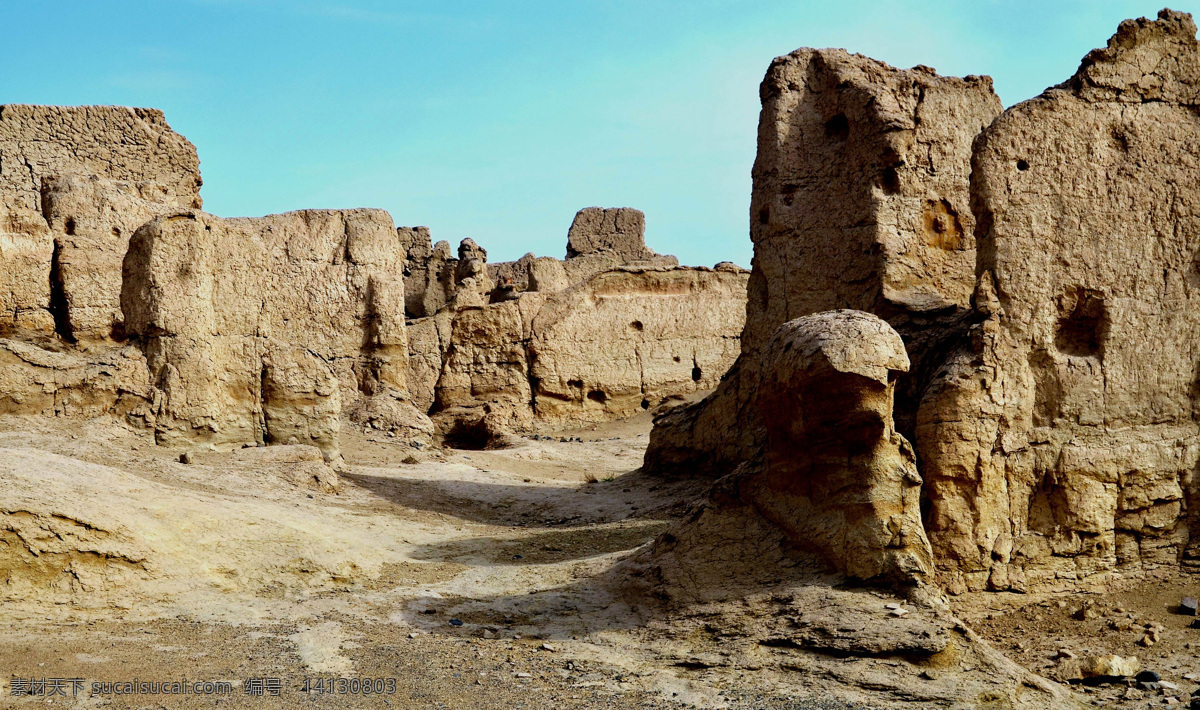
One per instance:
[(943, 229), (676, 358), (837, 128), (890, 181), (645, 404), (69, 227), (597, 396), (636, 325), (1022, 165), (1082, 323), (764, 214), (697, 373), (577, 384)]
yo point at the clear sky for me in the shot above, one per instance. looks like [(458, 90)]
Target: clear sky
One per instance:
[(498, 120)]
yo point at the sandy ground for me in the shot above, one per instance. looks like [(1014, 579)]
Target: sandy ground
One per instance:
[(447, 579), (458, 579)]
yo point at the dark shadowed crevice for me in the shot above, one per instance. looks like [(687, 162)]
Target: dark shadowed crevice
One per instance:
[(58, 297)]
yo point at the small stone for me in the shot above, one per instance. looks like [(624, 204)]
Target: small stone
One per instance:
[(929, 674), (1086, 612), (899, 612), (456, 622), (413, 635), (1065, 653), (891, 606), (488, 634), (547, 647), (1168, 685), (524, 675), (1148, 686), (1146, 641), (1187, 606), (1147, 677), (1110, 666), (185, 457)]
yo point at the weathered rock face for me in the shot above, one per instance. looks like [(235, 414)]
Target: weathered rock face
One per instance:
[(860, 201), (837, 488), (26, 254), (428, 275), (540, 342), (609, 348), (93, 174), (263, 330), (74, 184), (66, 383), (1064, 441), (838, 477), (92, 219), (128, 144), (628, 338), (621, 231)]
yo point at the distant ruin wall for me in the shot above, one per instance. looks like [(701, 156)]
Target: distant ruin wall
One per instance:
[(612, 331), (263, 330)]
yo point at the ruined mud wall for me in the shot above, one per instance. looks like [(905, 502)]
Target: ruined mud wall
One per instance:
[(859, 201), (239, 331), (1064, 442), (611, 331), (264, 330), (74, 184), (837, 490), (114, 142)]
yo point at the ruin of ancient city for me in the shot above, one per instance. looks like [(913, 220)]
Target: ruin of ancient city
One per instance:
[(589, 357)]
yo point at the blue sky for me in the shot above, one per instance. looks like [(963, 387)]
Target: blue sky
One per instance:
[(498, 120)]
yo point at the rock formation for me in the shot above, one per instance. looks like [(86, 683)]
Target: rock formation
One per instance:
[(263, 329), (837, 488), (74, 184), (619, 231), (859, 201), (1055, 413), (540, 343), (1062, 442), (133, 145), (280, 329), (246, 331)]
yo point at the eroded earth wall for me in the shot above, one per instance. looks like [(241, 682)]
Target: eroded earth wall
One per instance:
[(612, 331), (1063, 443), (859, 201), (264, 330)]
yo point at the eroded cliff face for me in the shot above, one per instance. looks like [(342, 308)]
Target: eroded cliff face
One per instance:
[(836, 491), (75, 182), (132, 145), (613, 330), (860, 201), (211, 331), (1054, 412), (264, 330), (1063, 442), (120, 298)]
